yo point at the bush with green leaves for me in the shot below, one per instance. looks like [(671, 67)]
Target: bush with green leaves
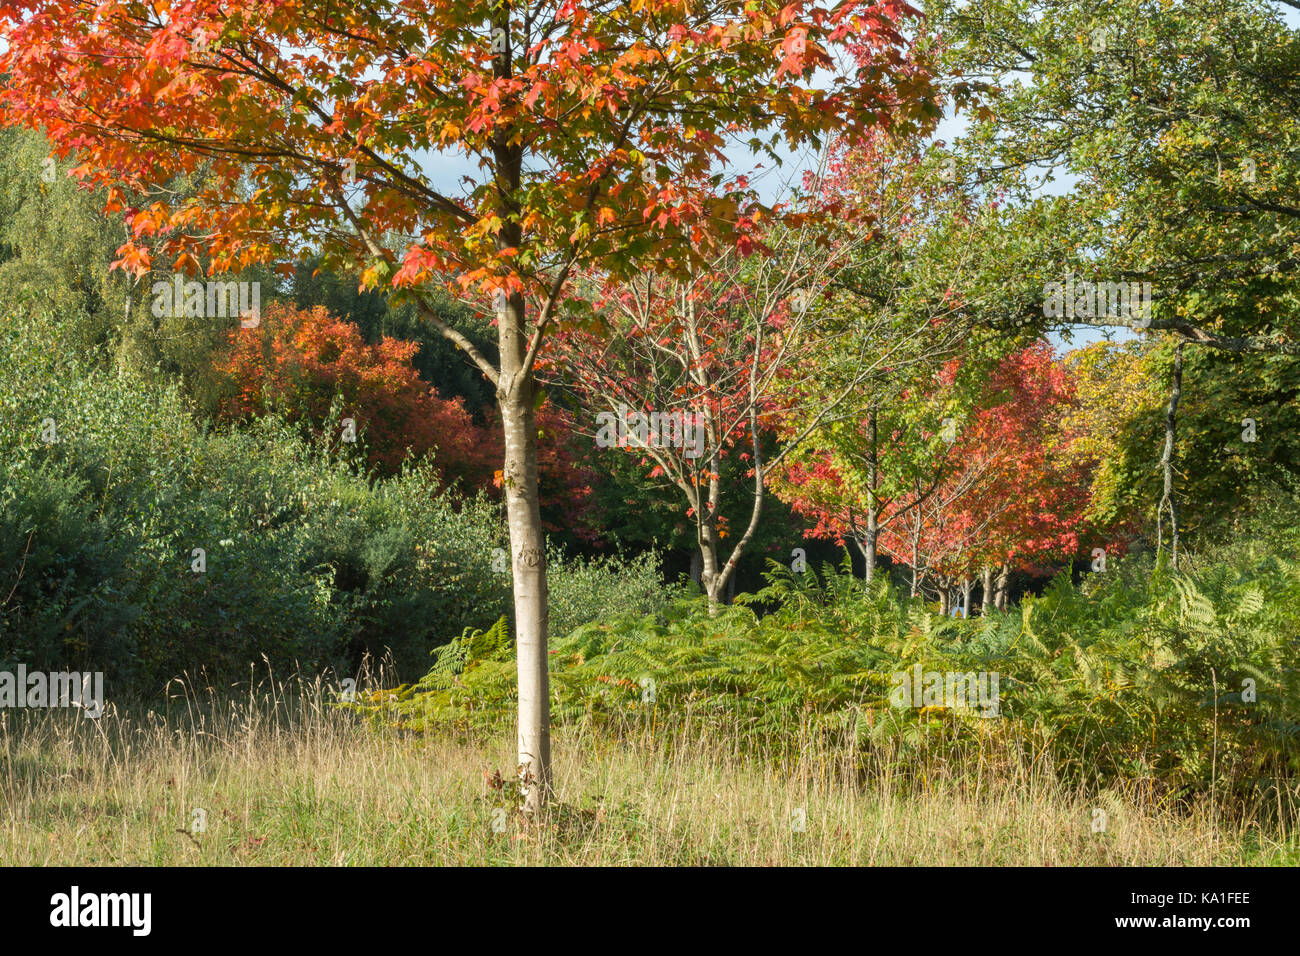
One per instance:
[(305, 560), (599, 588)]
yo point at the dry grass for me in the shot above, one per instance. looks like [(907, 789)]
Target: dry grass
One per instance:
[(286, 779)]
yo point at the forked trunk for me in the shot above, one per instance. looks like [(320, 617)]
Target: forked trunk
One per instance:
[(711, 572)]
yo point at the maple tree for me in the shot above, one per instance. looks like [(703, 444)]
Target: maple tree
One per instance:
[(684, 373), (863, 476), (296, 361), (915, 284), (593, 128), (1016, 495), (1005, 492)]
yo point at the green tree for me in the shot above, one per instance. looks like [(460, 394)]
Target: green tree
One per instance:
[(1176, 129)]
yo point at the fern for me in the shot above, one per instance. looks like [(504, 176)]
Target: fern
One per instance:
[(1139, 671)]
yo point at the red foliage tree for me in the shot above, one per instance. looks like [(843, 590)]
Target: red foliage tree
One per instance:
[(1013, 497), (297, 361), (590, 127), (686, 374), (1007, 493)]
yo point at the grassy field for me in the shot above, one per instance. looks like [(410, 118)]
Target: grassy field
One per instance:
[(286, 779)]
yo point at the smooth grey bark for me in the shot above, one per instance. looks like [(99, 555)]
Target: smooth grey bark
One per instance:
[(706, 530), (528, 550)]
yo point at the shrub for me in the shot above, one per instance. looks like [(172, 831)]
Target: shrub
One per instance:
[(308, 561), (588, 589)]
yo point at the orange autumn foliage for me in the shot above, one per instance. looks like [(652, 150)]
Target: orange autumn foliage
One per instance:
[(297, 360)]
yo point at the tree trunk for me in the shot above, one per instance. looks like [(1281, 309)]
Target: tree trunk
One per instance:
[(697, 567), (1003, 585), (986, 599), (711, 573), (528, 546), (916, 556), (1167, 464), (945, 599), (517, 398), (873, 512), (869, 546), (726, 571)]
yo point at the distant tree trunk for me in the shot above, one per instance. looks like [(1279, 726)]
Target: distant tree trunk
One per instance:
[(967, 584), (873, 510), (697, 565), (720, 575), (916, 557), (711, 573), (1002, 587), (869, 545), (986, 599), (1167, 464)]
